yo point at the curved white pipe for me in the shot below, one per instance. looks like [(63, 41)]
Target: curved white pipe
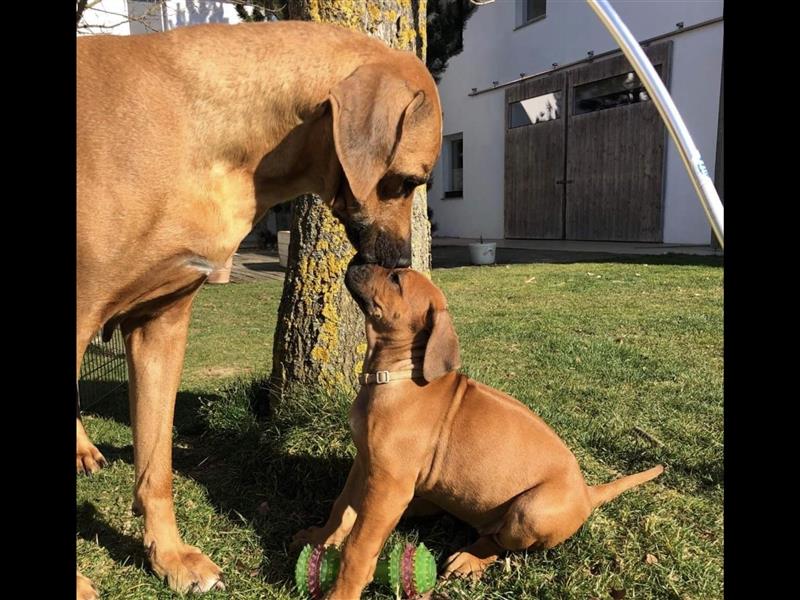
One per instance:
[(669, 114)]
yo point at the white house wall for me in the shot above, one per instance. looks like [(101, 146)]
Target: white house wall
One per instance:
[(494, 51), (188, 12), (696, 73)]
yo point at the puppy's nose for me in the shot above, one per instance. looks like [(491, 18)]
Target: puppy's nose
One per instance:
[(360, 273), (404, 262)]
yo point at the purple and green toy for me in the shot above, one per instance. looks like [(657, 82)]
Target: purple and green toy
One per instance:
[(407, 568)]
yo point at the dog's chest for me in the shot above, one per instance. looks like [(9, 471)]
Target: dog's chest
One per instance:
[(373, 421), (224, 207), (358, 422)]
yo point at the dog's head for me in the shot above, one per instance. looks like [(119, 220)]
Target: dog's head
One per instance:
[(387, 132), (403, 307)]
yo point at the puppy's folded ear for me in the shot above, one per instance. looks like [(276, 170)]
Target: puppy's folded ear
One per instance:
[(441, 353)]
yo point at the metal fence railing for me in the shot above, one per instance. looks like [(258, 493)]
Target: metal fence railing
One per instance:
[(103, 370)]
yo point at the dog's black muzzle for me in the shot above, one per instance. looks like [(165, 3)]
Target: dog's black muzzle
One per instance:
[(378, 247)]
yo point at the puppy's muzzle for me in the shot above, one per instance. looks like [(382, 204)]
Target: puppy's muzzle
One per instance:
[(357, 279)]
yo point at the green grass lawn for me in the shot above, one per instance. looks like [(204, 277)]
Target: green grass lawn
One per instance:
[(623, 360)]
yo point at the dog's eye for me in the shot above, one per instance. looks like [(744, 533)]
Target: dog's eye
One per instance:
[(395, 185), (410, 184), (394, 278)]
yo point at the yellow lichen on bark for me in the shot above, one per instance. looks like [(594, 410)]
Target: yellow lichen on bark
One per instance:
[(326, 282), (374, 12), (423, 30), (313, 10)]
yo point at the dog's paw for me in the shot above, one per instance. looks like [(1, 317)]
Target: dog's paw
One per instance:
[(467, 565), (186, 570), (85, 589), (88, 459)]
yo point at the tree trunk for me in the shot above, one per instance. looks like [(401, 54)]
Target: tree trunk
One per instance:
[(319, 338)]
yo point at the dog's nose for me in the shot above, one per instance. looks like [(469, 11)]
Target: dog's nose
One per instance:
[(404, 262)]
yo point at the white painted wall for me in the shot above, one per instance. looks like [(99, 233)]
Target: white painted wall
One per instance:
[(493, 50)]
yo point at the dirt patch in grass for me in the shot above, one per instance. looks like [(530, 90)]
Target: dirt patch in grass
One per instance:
[(220, 372)]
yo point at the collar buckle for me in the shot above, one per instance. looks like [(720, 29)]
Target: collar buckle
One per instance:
[(382, 377)]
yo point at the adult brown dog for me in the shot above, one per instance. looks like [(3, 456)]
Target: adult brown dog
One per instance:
[(185, 139), (427, 433)]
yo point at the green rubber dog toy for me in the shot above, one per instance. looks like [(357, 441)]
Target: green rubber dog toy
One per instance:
[(410, 569)]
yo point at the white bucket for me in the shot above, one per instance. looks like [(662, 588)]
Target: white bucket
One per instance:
[(283, 247), (482, 254)]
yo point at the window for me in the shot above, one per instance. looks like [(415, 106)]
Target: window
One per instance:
[(535, 110), (529, 11), (534, 9), (610, 92), (454, 165)]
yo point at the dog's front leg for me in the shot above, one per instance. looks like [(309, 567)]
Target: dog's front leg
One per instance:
[(88, 457), (385, 499), (343, 514), (155, 349)]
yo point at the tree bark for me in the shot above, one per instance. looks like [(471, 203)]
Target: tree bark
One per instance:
[(319, 338), (81, 6)]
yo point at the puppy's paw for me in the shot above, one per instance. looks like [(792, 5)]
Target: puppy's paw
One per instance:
[(85, 589), (465, 564)]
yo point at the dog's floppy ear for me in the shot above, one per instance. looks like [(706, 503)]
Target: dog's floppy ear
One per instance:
[(369, 109), (441, 353)]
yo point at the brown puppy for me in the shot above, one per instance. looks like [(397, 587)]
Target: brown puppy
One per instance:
[(445, 441), (184, 140)]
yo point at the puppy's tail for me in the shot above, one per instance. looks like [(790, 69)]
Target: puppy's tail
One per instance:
[(600, 494)]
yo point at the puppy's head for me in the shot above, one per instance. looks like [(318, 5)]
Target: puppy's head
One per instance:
[(402, 305), (386, 122)]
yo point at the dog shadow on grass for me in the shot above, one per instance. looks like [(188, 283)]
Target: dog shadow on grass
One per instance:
[(122, 547), (280, 470)]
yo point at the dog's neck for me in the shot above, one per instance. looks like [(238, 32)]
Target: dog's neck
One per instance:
[(386, 355), (276, 135), (401, 356)]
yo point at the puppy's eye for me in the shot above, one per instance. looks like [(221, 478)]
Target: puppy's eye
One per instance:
[(394, 278)]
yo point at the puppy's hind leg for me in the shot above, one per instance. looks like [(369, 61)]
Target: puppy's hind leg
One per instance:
[(541, 517), (85, 589), (544, 516)]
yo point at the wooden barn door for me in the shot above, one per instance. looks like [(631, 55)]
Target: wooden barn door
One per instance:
[(615, 158), (534, 158)]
